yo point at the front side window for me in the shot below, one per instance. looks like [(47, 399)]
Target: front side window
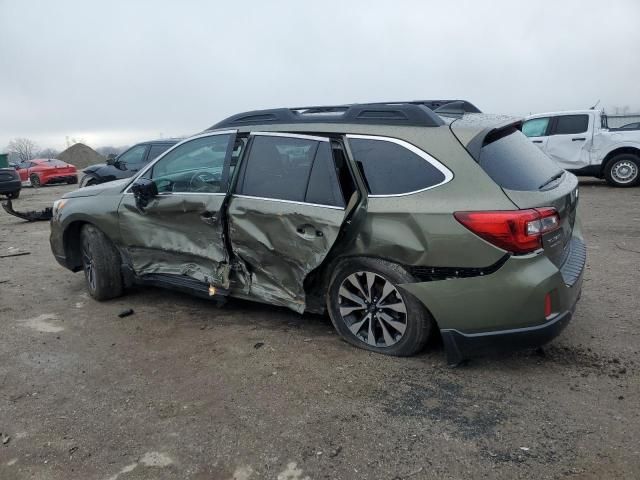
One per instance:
[(279, 167), (571, 124), (536, 127), (193, 167), (393, 169), (133, 157)]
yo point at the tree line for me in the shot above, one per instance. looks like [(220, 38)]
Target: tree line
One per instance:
[(24, 149)]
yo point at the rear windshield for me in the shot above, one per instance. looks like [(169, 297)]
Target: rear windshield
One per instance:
[(514, 163)]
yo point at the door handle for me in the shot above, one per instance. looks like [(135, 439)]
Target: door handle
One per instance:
[(537, 141), (309, 231), (581, 139)]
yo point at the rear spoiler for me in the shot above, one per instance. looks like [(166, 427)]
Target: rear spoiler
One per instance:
[(489, 135)]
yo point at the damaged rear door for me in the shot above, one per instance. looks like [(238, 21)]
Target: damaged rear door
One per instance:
[(285, 214), (180, 231)]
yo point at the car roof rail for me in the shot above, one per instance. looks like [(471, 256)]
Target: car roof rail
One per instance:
[(404, 113)]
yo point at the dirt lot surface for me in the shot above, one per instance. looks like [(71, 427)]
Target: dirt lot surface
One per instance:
[(183, 389)]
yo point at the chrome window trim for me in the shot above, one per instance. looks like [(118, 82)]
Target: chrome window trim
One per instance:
[(166, 194), (290, 135), (448, 174), (186, 140), (252, 197)]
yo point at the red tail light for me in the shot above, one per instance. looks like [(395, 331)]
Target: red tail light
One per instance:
[(517, 231)]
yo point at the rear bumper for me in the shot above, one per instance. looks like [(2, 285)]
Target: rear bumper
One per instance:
[(459, 346), (10, 186), (504, 310), (60, 178)]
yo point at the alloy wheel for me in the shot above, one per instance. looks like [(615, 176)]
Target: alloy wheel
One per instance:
[(624, 171), (372, 309)]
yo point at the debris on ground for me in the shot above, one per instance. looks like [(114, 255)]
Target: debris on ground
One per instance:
[(29, 216), (17, 254), (5, 439), (126, 313), (258, 345)]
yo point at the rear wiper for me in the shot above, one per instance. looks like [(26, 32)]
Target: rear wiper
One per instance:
[(555, 177)]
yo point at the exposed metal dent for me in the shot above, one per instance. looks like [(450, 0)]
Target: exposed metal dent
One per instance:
[(280, 244), (29, 216)]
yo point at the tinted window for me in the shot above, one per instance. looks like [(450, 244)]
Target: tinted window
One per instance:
[(133, 156), (570, 124), (390, 168), (514, 163), (323, 186), (156, 150), (279, 167), (195, 166), (536, 127)]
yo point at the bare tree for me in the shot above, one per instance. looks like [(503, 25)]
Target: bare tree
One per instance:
[(22, 148), (48, 153)]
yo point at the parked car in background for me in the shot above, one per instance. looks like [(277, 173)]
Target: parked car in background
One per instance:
[(127, 163), (392, 218), (43, 171), (582, 143), (10, 183)]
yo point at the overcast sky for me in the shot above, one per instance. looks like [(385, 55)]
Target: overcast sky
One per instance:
[(116, 72)]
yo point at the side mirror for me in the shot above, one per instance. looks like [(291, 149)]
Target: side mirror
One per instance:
[(144, 190), (111, 159)]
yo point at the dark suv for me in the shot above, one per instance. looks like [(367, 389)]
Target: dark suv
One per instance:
[(127, 164), (396, 219)]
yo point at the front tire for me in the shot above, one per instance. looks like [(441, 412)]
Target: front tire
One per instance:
[(370, 311), (623, 170), (101, 263), (88, 181), (35, 180), (13, 195)]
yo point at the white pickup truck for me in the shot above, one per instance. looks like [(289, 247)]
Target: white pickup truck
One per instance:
[(581, 142)]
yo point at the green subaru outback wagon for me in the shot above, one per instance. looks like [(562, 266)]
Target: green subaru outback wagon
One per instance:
[(396, 218)]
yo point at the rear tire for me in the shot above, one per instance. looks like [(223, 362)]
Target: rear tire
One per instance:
[(35, 180), (101, 264), (72, 181), (370, 311), (13, 195), (623, 170)]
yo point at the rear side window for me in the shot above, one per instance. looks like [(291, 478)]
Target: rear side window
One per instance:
[(156, 150), (571, 124), (279, 167), (323, 187), (393, 169), (536, 127), (514, 163)]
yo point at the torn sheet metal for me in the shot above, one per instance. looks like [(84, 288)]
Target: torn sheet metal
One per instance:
[(30, 215), (281, 243)]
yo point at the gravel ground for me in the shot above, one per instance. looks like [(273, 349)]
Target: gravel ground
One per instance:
[(184, 389)]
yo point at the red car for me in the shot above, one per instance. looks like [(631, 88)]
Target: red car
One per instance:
[(41, 171)]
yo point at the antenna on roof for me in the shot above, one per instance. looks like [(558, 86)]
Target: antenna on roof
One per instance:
[(594, 107)]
